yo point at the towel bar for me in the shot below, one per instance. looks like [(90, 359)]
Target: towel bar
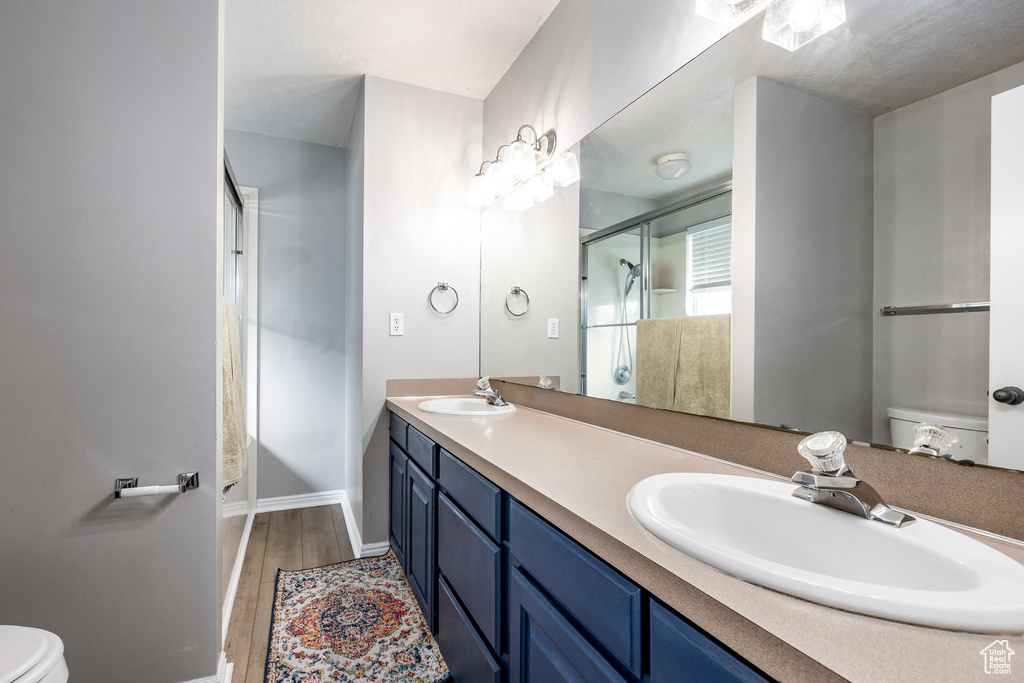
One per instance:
[(128, 487), (939, 308)]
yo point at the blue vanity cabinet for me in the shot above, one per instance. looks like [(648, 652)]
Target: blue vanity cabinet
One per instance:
[(412, 507), (399, 463), (544, 647), (679, 651), (605, 604)]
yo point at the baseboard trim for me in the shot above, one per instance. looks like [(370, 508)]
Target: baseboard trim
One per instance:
[(305, 500), (223, 675), (236, 573), (239, 507), (359, 549)]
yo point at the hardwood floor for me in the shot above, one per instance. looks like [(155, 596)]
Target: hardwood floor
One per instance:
[(287, 539)]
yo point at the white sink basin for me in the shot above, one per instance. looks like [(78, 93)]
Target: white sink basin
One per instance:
[(468, 407), (756, 530)]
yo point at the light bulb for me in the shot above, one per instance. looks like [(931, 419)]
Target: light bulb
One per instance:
[(804, 15), (479, 193), (519, 200), (498, 182), (519, 160), (563, 171), (538, 189)]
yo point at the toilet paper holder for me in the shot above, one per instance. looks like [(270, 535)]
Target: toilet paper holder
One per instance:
[(128, 487)]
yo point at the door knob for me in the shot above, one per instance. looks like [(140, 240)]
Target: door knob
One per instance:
[(1012, 396)]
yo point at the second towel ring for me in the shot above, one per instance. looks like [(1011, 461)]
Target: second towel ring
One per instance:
[(443, 287), (515, 292)]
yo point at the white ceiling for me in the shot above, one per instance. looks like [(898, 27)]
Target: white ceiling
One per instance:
[(292, 67), (890, 53)]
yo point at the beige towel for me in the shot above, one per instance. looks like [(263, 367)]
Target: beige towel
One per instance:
[(657, 356), (235, 437), (705, 365), (684, 364)]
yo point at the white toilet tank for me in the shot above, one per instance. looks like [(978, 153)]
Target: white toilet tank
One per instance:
[(970, 429)]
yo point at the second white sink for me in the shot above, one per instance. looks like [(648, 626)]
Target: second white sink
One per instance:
[(756, 530), (466, 407)]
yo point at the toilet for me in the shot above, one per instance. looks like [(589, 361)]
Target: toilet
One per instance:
[(970, 429), (31, 655)]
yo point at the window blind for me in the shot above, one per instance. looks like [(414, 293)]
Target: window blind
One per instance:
[(709, 249)]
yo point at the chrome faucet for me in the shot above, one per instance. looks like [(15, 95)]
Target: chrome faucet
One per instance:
[(831, 483), (492, 396)]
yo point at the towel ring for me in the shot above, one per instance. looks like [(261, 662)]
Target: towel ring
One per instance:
[(443, 287), (516, 291)]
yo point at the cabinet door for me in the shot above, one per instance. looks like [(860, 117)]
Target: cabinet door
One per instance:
[(544, 647), (420, 494), (680, 652), (396, 492)]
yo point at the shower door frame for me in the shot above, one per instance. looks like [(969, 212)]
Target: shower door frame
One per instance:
[(643, 222)]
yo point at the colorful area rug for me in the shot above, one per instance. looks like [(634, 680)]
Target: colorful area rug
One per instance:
[(352, 621)]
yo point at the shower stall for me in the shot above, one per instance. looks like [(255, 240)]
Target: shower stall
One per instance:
[(673, 261)]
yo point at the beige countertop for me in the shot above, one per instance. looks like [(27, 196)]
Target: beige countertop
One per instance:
[(577, 476)]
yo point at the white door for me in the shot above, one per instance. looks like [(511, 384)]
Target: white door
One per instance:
[(1006, 327)]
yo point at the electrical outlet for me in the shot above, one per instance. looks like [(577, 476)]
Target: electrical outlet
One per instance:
[(397, 325), (552, 328)]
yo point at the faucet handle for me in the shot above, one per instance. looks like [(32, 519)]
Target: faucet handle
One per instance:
[(931, 439), (824, 450)]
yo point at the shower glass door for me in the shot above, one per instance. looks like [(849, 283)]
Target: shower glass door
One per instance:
[(614, 297)]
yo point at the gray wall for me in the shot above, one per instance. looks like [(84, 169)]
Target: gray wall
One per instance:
[(589, 60), (538, 250), (811, 227), (109, 204), (303, 325), (932, 201), (422, 147)]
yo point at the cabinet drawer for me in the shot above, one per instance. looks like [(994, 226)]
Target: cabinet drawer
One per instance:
[(471, 563), (398, 431), (681, 652), (544, 647), (422, 450), (474, 494), (606, 604), (461, 646)]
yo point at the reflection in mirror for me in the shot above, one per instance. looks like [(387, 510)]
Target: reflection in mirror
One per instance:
[(745, 279)]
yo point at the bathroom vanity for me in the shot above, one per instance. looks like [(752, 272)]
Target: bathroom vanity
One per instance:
[(516, 537)]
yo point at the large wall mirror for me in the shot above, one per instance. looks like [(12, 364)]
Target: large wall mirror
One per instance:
[(799, 239)]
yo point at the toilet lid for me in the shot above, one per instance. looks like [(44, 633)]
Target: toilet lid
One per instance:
[(23, 649)]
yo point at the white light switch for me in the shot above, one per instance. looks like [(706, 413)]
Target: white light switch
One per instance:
[(552, 328), (396, 326)]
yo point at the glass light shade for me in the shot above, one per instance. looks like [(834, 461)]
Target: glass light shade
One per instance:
[(539, 189), (479, 193), (519, 199), (563, 171), (794, 23), (519, 160), (729, 12), (499, 182), (673, 166)]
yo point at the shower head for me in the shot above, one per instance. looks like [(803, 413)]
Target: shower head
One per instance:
[(624, 262)]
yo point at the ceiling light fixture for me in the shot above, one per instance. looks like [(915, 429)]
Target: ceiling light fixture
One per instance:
[(729, 12), (673, 166), (794, 23), (524, 171)]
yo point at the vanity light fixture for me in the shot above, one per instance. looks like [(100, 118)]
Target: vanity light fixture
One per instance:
[(673, 166), (730, 12), (794, 23), (524, 171)]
